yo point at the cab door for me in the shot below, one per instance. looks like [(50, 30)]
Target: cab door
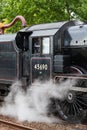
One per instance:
[(41, 56)]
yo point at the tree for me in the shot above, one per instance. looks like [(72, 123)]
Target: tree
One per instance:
[(42, 11)]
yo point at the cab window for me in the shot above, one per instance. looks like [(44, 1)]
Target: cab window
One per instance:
[(35, 45), (41, 45), (45, 45)]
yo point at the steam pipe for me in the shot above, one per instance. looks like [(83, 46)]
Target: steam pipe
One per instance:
[(19, 17)]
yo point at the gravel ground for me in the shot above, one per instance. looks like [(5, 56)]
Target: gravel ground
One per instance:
[(43, 126)]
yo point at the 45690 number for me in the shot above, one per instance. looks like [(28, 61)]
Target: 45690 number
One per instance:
[(41, 66)]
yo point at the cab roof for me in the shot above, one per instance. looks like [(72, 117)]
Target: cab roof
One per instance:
[(48, 29), (46, 26)]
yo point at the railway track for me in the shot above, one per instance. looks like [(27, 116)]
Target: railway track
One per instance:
[(7, 123), (15, 125)]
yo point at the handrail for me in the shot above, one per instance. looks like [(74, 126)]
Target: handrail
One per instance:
[(19, 17)]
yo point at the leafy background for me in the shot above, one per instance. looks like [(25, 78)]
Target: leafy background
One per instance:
[(41, 11)]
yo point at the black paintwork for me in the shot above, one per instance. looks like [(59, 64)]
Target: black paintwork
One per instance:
[(19, 54), (43, 52)]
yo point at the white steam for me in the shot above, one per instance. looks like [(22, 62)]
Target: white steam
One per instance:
[(32, 105)]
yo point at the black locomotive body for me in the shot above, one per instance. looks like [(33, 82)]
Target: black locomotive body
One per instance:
[(46, 51), (43, 51)]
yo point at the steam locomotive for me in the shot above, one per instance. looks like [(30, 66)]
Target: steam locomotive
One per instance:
[(48, 51)]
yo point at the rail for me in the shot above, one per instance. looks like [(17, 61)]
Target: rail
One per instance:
[(9, 123)]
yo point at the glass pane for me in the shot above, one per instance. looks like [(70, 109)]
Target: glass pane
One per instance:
[(46, 45), (35, 45)]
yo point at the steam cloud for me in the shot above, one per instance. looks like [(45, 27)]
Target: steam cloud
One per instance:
[(32, 105)]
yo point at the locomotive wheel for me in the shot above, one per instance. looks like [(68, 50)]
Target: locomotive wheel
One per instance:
[(71, 109)]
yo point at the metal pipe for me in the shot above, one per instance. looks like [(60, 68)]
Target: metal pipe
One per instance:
[(19, 17)]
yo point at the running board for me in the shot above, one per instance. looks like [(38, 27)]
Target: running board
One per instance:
[(79, 89), (68, 76), (75, 78)]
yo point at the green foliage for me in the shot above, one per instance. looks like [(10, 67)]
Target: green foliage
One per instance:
[(42, 11)]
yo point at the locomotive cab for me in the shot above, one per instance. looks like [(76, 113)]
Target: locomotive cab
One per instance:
[(41, 46), (37, 50)]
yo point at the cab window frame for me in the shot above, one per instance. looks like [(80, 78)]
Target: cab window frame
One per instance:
[(41, 42)]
